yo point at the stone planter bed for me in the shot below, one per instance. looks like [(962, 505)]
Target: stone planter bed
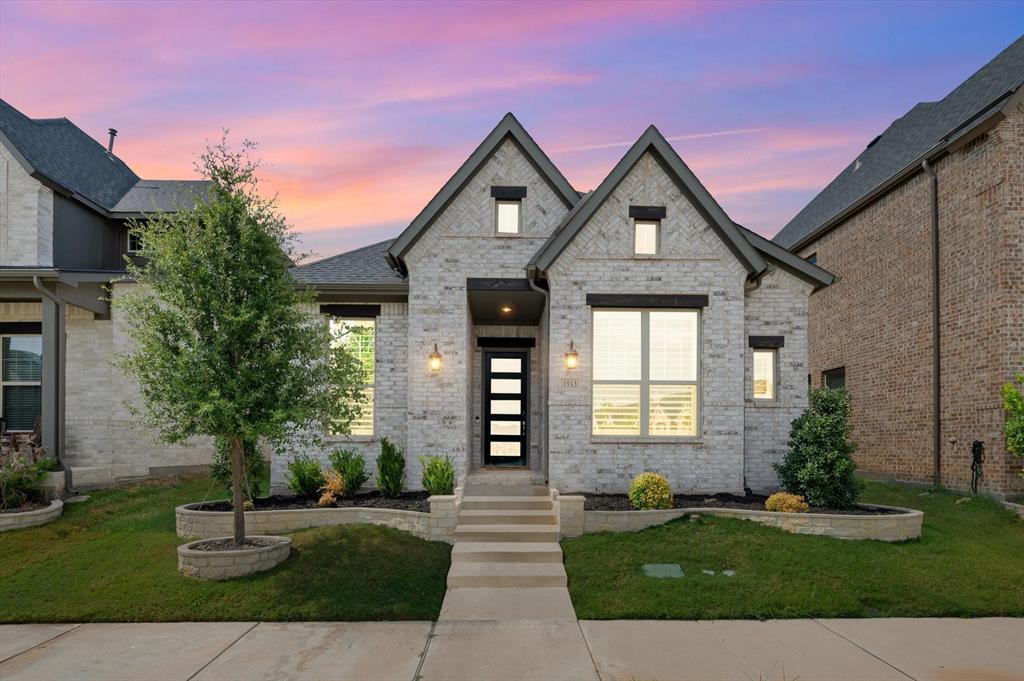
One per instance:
[(288, 514), (884, 523), (407, 501), (37, 514), (750, 502), (219, 559)]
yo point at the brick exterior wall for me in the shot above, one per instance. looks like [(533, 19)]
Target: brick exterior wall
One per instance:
[(26, 216), (460, 244), (876, 319), (693, 260)]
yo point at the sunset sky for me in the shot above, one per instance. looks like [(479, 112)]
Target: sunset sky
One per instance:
[(362, 111)]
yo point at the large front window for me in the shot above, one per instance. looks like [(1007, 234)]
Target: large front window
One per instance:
[(21, 373), (358, 335), (646, 369)]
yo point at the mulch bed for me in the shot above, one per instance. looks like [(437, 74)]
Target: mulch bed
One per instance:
[(35, 506), (750, 502), (407, 501), (228, 544)]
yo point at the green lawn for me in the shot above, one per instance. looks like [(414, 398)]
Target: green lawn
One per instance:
[(113, 559), (968, 562)]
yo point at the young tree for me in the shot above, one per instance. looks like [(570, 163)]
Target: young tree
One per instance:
[(225, 345), (1013, 402)]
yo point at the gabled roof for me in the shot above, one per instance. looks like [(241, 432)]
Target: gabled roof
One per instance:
[(909, 140), (509, 127), (787, 260), (364, 266), (652, 140), (63, 153)]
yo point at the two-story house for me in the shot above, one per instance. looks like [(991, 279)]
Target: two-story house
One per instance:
[(64, 204)]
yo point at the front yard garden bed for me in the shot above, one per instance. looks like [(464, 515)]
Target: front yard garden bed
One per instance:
[(114, 559), (30, 515), (221, 558), (407, 501), (750, 502), (962, 566)]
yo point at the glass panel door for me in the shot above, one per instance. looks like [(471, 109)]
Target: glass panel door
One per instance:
[(505, 408)]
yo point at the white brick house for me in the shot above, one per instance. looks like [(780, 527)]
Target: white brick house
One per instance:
[(586, 338)]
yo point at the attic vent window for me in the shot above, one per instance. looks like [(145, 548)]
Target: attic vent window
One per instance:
[(508, 209)]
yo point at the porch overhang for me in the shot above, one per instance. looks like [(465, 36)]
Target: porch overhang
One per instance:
[(504, 301)]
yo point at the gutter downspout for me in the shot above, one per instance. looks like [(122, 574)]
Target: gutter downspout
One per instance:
[(936, 339), (58, 368), (544, 375)]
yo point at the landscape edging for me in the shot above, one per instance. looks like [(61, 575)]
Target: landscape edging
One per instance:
[(890, 527), (219, 565), (40, 516)]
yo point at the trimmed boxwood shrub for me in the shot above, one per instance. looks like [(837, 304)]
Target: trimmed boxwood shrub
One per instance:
[(650, 491), (438, 474), (390, 468), (305, 477), (351, 468), (819, 466)]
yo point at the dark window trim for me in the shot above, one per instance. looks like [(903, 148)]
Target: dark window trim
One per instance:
[(508, 193), (647, 212), (767, 342), (21, 328), (646, 300), (495, 284), (498, 342), (351, 311), (838, 371)]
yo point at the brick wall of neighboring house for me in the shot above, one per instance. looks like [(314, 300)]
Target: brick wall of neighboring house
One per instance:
[(26, 216), (460, 244), (693, 260), (876, 319), (778, 307)]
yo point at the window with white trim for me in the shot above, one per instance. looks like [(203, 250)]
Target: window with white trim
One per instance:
[(134, 243), (359, 336), (21, 374), (764, 373), (508, 216), (645, 237), (646, 372)]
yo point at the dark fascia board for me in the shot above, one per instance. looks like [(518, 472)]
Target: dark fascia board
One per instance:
[(384, 293), (817, 276), (487, 284), (351, 311), (647, 300), (21, 327), (508, 192), (766, 342), (505, 342), (652, 140), (647, 212), (986, 119), (508, 127)]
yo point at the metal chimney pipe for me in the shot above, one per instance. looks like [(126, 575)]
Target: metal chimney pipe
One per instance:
[(110, 144)]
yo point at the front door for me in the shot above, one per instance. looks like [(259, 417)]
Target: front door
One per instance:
[(505, 377)]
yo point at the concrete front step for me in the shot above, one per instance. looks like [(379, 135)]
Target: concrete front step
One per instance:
[(506, 552), (507, 533), (524, 490), (506, 517), (482, 503), (506, 575)]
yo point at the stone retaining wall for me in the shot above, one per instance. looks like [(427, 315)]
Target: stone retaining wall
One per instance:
[(16, 521), (891, 527), (230, 564), (438, 525)]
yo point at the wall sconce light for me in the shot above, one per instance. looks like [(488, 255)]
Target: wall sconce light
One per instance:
[(572, 357), (435, 360)]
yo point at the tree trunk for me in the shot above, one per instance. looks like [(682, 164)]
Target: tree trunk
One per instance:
[(237, 496)]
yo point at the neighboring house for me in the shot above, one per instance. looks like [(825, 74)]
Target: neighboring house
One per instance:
[(925, 234), (64, 205), (517, 324)]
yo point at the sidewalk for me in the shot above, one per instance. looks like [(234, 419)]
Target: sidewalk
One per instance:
[(540, 650)]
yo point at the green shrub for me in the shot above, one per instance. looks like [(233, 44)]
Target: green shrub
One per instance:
[(305, 477), (351, 467), (252, 467), (438, 474), (819, 466), (1013, 402), (650, 491), (390, 469), (20, 481)]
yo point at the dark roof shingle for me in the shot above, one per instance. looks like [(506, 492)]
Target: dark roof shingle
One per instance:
[(167, 195), (907, 140), (366, 265)]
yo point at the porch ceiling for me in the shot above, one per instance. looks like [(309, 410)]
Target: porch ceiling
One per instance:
[(504, 301)]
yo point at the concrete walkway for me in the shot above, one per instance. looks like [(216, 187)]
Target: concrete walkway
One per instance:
[(540, 650)]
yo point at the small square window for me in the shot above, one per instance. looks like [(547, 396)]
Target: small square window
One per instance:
[(834, 379), (508, 216), (764, 374), (134, 243), (645, 240)]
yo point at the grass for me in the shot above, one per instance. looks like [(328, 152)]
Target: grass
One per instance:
[(968, 562), (113, 559)]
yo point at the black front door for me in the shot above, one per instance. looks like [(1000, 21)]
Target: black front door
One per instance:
[(505, 378)]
